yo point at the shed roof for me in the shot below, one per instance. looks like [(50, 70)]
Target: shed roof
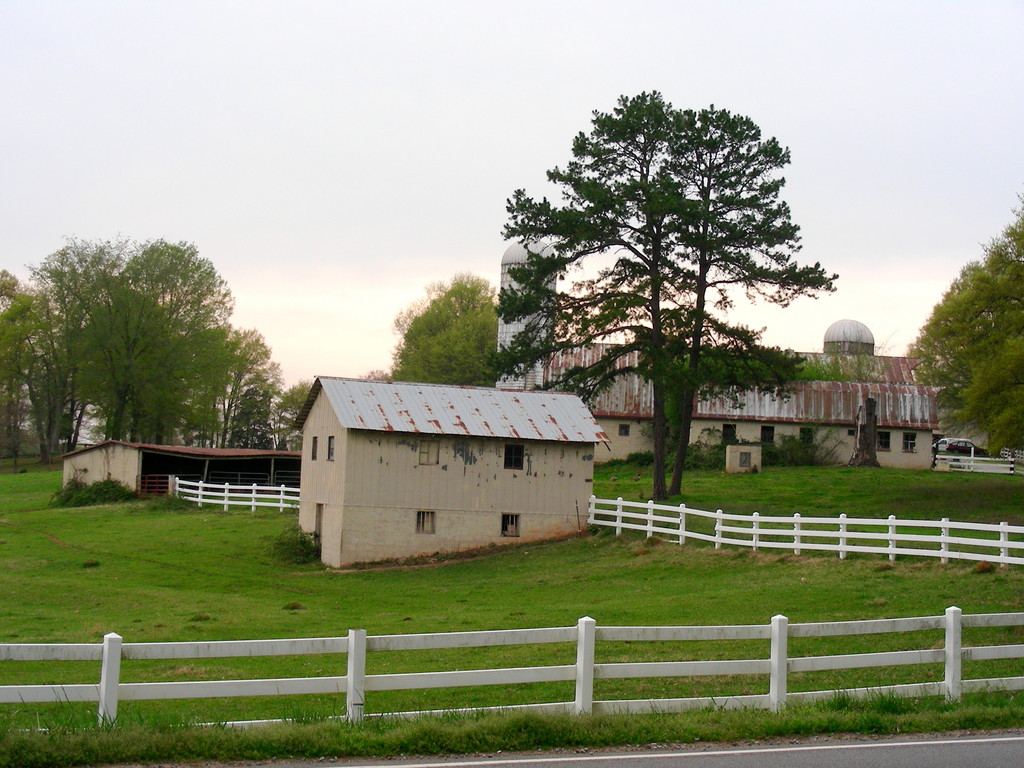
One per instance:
[(436, 409), (192, 451)]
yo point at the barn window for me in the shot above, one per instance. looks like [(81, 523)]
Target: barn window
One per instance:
[(510, 525), (883, 443), (515, 454), (426, 520), (330, 448), (728, 433), (807, 435), (429, 451), (910, 442), (767, 434), (312, 450), (623, 430)]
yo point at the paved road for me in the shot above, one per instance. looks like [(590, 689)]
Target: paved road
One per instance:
[(1002, 750)]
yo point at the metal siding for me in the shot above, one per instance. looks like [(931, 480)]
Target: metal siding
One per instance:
[(468, 411)]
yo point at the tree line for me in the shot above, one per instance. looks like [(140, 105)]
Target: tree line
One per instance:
[(132, 341)]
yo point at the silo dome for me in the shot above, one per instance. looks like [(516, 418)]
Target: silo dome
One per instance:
[(516, 253), (849, 337)]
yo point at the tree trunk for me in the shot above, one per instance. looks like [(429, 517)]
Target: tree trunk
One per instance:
[(683, 442), (658, 493), (867, 431)]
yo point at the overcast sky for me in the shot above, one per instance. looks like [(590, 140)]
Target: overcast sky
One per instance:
[(333, 158)]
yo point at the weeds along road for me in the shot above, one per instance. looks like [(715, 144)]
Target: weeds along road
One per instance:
[(998, 750)]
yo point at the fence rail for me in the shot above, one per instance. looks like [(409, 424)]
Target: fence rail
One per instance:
[(943, 539), (226, 495), (355, 683), (1005, 465)]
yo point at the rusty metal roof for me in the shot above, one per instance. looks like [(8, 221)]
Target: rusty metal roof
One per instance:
[(901, 403), (436, 409), (909, 406)]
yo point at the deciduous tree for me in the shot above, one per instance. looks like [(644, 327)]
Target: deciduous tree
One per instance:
[(973, 343), (679, 209), (449, 337)]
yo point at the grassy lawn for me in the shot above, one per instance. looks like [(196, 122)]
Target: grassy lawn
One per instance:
[(152, 571)]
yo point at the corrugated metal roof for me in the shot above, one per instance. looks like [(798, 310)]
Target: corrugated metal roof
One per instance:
[(830, 402), (901, 403), (436, 409)]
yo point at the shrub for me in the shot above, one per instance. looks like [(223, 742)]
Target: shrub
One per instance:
[(640, 459), (294, 546), (78, 494)]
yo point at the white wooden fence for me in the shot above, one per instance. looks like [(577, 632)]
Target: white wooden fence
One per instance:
[(981, 464), (942, 539), (355, 683), (226, 495)]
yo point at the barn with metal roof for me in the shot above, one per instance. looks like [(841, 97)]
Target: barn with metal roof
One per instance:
[(392, 470)]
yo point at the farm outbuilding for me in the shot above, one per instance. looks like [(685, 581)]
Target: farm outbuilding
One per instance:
[(148, 468), (393, 470)]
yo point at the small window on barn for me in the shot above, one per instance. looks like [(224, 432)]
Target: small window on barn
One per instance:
[(330, 447), (883, 443), (426, 521), (623, 430), (910, 442), (312, 450), (767, 434), (429, 451), (807, 435), (510, 525), (728, 433), (851, 433), (515, 454)]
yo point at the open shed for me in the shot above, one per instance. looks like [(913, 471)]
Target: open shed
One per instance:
[(148, 468)]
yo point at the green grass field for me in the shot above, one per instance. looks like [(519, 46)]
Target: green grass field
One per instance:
[(154, 571)]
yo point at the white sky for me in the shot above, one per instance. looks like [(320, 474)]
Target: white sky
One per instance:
[(333, 158)]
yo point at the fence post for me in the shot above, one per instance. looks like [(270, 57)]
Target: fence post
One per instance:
[(110, 677), (718, 529), (650, 518), (226, 505), (892, 537), (755, 530), (682, 523), (1004, 540), (944, 542), (954, 643), (355, 679), (796, 533), (281, 498), (779, 663), (592, 510), (842, 536), (618, 516), (586, 636)]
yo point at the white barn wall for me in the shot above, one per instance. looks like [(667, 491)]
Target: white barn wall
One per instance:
[(837, 436), (105, 462), (468, 490), (323, 481)]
